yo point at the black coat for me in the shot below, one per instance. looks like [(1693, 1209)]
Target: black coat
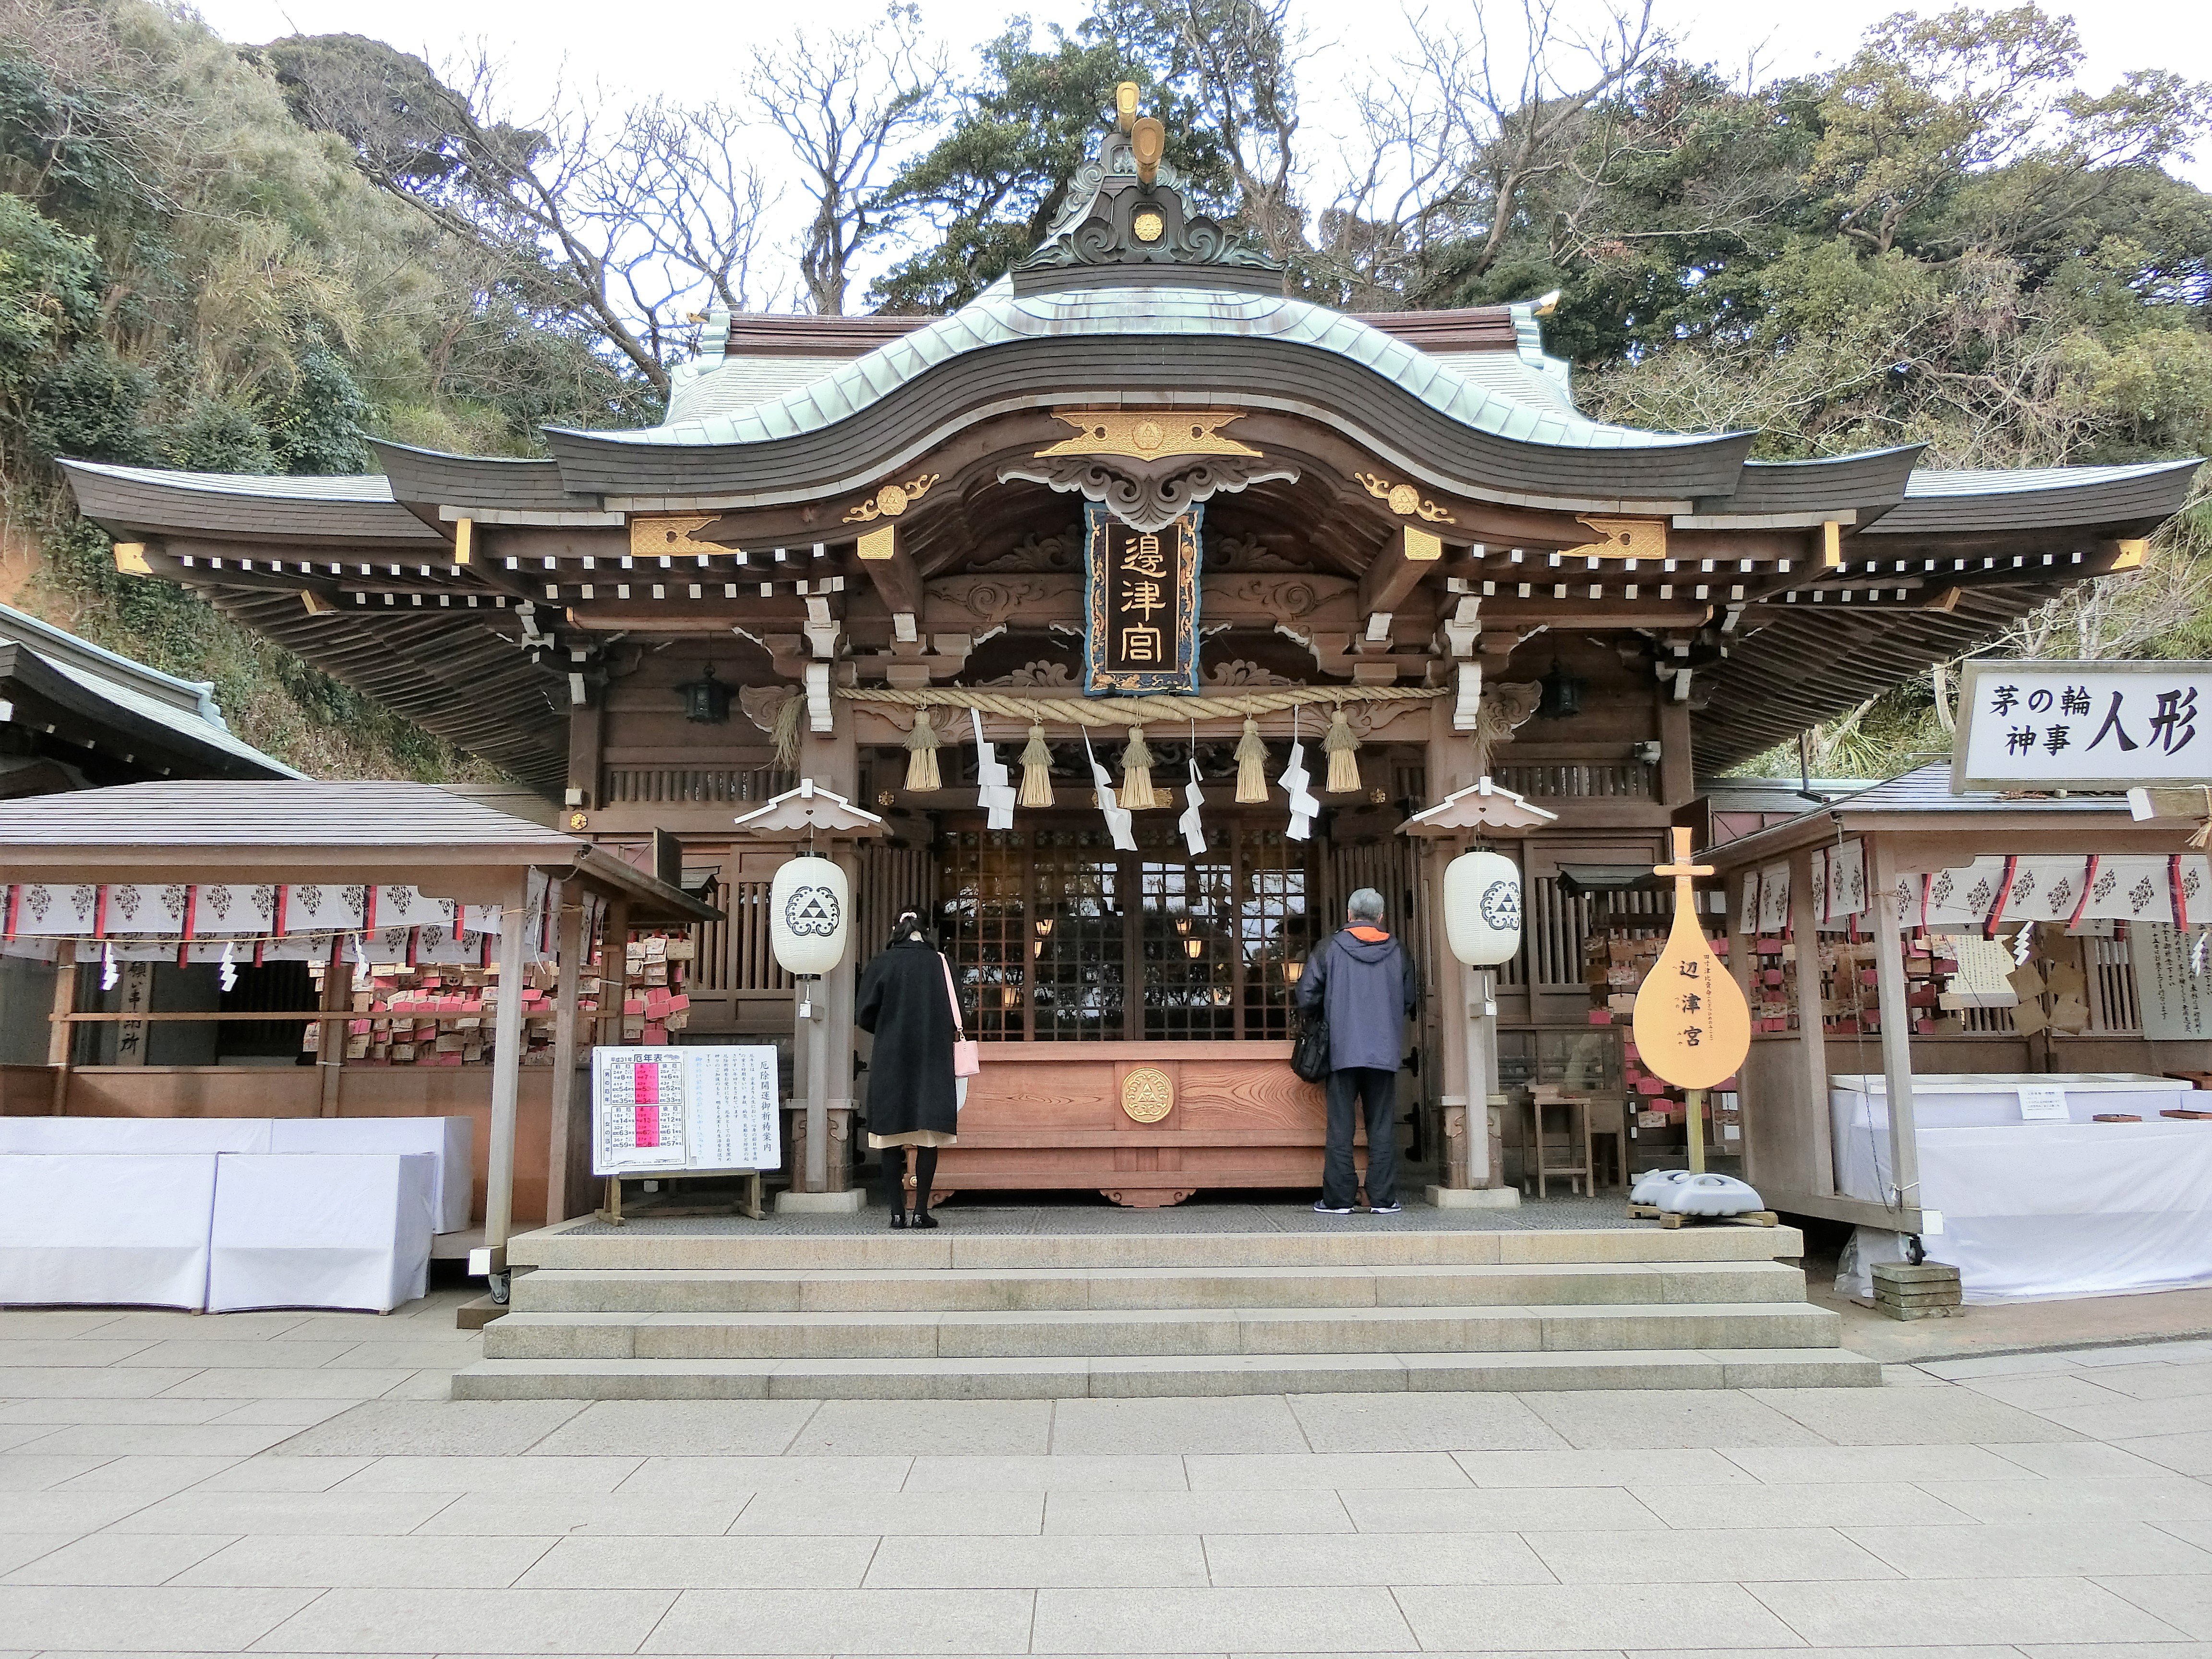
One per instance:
[(902, 1000)]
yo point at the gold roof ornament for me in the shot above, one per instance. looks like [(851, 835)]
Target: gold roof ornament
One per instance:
[(1147, 436), (1148, 139), (1125, 105)]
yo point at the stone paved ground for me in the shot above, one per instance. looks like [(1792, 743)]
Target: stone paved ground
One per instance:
[(295, 1483)]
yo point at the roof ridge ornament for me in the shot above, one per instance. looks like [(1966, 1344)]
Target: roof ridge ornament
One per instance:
[(1125, 221)]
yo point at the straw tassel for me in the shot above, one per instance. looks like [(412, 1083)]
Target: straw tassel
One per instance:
[(784, 736), (1036, 770), (1137, 775), (921, 754), (1251, 762), (1341, 746)]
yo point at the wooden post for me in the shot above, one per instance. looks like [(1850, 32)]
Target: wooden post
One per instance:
[(61, 1033), (572, 902), (1677, 770), (814, 1032), (1896, 1029), (614, 971), (505, 1073), (331, 1035), (843, 986), (1812, 1043)]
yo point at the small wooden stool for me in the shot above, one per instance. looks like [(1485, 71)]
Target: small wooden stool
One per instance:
[(1538, 1167)]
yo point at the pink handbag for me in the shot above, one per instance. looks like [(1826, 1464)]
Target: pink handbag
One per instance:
[(967, 1055)]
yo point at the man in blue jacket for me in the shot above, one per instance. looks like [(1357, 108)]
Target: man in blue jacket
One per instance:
[(1363, 981)]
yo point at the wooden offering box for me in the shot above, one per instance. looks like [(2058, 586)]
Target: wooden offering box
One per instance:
[(1146, 1124)]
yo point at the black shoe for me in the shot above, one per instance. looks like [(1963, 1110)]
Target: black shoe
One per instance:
[(898, 1220), (1322, 1206), (1386, 1209), (921, 1218)]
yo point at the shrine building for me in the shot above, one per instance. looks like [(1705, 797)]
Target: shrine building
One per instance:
[(1135, 505)]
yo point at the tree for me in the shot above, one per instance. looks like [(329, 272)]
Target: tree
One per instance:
[(630, 223), (1464, 137), (845, 104), (986, 193)]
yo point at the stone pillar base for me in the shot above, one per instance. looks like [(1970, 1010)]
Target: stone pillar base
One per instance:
[(841, 1145), (849, 1202), (1474, 1198)]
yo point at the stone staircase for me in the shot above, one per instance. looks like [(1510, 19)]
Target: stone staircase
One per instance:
[(958, 1314)]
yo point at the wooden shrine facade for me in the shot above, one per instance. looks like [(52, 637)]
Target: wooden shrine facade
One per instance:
[(842, 521)]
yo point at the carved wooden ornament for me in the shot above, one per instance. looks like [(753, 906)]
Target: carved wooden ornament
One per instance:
[(1691, 1026)]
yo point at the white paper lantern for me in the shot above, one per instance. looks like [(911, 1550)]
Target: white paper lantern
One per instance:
[(1482, 908), (809, 908)]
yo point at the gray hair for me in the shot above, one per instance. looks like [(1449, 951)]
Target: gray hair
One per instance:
[(1366, 905)]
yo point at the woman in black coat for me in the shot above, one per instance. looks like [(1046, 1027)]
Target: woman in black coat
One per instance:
[(905, 999)]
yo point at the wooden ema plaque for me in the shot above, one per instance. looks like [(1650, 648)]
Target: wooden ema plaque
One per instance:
[(1691, 1026)]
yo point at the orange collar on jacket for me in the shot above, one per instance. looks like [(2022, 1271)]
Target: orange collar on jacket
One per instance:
[(1367, 935)]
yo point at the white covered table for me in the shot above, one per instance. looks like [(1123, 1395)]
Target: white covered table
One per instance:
[(134, 1135), (106, 1228), (2045, 1209), (449, 1139), (308, 1229)]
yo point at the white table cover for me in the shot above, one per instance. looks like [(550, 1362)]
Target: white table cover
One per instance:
[(450, 1140), (104, 1228), (134, 1135), (2033, 1211), (311, 1229)]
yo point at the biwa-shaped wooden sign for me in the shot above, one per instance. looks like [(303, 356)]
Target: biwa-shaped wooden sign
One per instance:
[(1693, 1027)]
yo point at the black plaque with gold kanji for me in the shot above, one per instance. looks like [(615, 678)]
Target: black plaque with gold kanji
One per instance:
[(1141, 607)]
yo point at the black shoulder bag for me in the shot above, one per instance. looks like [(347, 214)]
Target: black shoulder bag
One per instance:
[(1309, 1054)]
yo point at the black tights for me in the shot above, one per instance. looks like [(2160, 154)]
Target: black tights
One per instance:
[(924, 1173)]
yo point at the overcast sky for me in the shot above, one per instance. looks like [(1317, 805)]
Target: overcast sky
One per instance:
[(694, 53)]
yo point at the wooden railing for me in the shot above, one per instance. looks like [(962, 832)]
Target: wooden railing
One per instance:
[(702, 786), (1579, 780)]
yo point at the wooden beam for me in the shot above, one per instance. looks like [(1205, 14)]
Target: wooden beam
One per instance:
[(506, 1075), (1393, 574)]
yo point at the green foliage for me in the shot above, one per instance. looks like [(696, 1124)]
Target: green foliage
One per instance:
[(989, 188), (90, 404)]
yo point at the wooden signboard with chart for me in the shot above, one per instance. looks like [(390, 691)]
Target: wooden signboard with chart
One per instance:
[(689, 1111), (1693, 1026)]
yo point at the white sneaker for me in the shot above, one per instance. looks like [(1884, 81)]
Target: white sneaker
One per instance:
[(1385, 1209), (1322, 1206)]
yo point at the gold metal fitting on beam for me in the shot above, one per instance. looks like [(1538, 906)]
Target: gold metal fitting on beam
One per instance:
[(1125, 104), (892, 500), (130, 559), (1622, 539), (669, 532), (1402, 499)]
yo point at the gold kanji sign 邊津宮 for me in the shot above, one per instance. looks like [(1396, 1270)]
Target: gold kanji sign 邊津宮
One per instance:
[(1140, 612)]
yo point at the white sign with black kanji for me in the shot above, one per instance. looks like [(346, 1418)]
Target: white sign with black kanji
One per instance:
[(2049, 726)]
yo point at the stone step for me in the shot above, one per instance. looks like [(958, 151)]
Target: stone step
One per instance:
[(1174, 1332), (962, 1243), (1127, 1378), (955, 1290)]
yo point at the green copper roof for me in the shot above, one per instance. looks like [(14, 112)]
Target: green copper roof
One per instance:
[(1000, 317)]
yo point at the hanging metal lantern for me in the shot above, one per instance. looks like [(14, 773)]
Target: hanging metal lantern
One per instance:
[(706, 699), (1563, 694), (809, 904), (1482, 908)]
